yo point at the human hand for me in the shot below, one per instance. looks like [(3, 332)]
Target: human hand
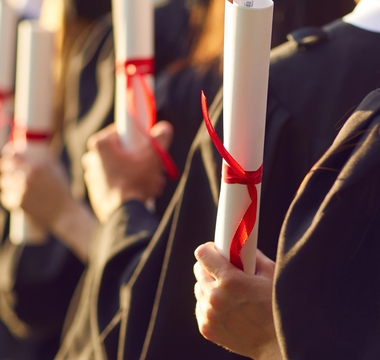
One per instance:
[(41, 188), (38, 186), (114, 175), (234, 309)]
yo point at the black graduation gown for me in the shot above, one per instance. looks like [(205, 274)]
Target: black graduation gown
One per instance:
[(313, 90), (294, 14), (327, 289)]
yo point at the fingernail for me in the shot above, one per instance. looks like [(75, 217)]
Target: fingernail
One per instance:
[(197, 251)]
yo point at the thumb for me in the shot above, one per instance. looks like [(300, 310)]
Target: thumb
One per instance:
[(212, 261), (163, 132)]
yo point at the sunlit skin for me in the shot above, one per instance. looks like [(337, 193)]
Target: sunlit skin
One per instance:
[(114, 175), (234, 309), (41, 188)]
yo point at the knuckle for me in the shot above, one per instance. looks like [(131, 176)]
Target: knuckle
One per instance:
[(102, 144), (216, 301), (212, 316), (208, 331), (228, 281)]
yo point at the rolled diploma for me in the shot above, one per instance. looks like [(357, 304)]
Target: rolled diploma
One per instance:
[(133, 31), (33, 110), (246, 71), (8, 31)]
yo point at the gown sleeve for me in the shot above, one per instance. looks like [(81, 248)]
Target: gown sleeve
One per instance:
[(327, 282)]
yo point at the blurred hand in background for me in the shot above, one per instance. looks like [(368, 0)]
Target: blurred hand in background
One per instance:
[(114, 175)]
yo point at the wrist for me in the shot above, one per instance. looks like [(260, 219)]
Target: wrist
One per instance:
[(75, 227), (271, 351), (133, 195), (115, 199)]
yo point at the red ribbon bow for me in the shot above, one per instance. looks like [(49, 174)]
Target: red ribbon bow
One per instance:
[(233, 173), (138, 68)]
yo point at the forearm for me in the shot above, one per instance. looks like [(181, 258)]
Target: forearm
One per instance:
[(75, 227)]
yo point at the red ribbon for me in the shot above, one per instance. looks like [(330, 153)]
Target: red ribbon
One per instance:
[(4, 95), (138, 68), (233, 173), (22, 133)]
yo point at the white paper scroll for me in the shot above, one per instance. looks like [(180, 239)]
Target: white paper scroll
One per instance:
[(8, 30), (34, 100), (246, 69), (133, 31)]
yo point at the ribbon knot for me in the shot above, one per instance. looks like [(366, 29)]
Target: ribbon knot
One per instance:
[(139, 68), (249, 177), (233, 173)]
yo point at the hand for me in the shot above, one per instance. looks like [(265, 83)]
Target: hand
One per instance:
[(114, 175), (234, 309), (41, 188)]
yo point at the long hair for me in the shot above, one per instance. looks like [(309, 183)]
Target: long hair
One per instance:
[(206, 23), (209, 47), (59, 16)]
